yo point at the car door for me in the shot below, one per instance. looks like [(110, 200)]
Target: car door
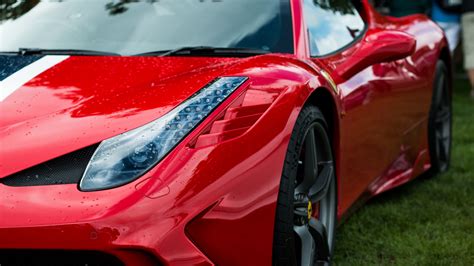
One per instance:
[(372, 141)]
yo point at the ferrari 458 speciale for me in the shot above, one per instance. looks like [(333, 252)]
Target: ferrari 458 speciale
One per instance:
[(208, 131)]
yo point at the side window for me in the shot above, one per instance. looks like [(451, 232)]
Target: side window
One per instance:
[(332, 24)]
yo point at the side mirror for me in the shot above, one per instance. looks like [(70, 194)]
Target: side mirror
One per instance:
[(378, 47)]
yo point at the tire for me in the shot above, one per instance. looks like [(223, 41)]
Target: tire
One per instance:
[(306, 210), (440, 122)]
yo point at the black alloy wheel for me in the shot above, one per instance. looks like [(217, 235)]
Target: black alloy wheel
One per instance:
[(440, 122), (307, 202)]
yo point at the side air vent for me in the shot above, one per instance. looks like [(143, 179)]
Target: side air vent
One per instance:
[(234, 122), (67, 169)]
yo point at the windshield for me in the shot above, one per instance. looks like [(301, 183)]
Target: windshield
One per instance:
[(130, 27)]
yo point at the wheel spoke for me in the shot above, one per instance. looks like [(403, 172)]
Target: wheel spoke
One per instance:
[(441, 88), (319, 233), (443, 133), (310, 167), (438, 135), (308, 246), (442, 149), (320, 187), (443, 116), (301, 212), (445, 146)]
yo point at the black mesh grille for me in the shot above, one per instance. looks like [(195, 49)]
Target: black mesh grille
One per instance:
[(56, 258), (67, 169)]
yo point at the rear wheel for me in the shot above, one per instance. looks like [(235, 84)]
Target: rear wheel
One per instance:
[(307, 201), (440, 122)]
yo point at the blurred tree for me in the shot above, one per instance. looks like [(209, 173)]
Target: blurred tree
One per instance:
[(119, 7), (12, 9), (400, 8), (341, 6)]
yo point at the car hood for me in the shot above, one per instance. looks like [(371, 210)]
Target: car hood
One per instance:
[(72, 102)]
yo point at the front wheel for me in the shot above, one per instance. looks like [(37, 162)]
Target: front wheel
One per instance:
[(307, 201)]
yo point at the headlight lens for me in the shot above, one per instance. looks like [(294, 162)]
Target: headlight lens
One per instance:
[(124, 158)]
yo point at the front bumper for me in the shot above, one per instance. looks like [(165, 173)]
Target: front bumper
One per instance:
[(195, 207), (180, 213)]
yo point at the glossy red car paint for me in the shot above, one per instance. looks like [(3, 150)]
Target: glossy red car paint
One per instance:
[(212, 202)]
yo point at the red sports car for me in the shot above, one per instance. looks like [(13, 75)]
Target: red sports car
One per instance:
[(208, 132)]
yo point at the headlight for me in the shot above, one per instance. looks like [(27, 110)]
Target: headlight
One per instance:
[(124, 158)]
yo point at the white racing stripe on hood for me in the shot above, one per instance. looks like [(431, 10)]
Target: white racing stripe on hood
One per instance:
[(22, 76)]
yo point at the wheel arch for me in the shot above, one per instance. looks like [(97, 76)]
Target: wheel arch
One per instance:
[(445, 57), (322, 98)]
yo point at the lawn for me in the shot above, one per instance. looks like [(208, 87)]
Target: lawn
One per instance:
[(425, 222)]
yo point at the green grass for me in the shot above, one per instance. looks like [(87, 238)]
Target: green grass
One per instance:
[(425, 222)]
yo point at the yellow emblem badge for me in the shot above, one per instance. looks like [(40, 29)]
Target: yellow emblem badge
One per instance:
[(310, 210)]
